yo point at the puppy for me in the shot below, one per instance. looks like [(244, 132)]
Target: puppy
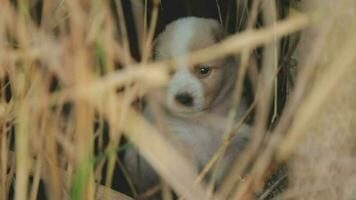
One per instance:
[(196, 101)]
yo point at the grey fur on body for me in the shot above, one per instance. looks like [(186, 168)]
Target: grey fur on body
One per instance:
[(197, 128)]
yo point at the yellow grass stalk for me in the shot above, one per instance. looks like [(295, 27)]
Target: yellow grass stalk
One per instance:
[(328, 81), (177, 170)]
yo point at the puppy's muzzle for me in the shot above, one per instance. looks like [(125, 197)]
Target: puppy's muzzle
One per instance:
[(184, 99)]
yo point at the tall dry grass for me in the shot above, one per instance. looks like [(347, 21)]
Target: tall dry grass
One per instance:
[(69, 59)]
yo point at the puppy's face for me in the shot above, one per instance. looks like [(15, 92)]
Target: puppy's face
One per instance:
[(192, 89)]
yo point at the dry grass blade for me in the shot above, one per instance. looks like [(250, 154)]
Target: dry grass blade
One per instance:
[(219, 153), (123, 31), (309, 65), (319, 94), (250, 39), (264, 90), (161, 154), (265, 159), (245, 62), (149, 38), (101, 189), (22, 154), (153, 77)]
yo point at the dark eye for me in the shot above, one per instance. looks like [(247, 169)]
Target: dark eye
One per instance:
[(203, 71)]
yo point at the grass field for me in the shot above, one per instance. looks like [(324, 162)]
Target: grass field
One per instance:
[(71, 74)]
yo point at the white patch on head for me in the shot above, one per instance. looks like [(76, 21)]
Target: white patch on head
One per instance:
[(184, 82), (182, 37), (183, 33)]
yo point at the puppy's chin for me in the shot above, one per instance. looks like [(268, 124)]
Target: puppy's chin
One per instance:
[(181, 111)]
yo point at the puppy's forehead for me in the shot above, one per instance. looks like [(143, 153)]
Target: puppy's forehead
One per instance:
[(186, 35)]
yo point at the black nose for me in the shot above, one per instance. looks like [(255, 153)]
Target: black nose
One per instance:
[(184, 99)]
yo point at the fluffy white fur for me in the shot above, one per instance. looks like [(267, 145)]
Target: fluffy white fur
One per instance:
[(184, 82), (200, 129)]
